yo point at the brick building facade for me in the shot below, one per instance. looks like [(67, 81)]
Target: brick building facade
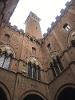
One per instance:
[(33, 66)]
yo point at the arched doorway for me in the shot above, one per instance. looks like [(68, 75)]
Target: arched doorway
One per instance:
[(67, 93), (33, 97), (2, 94)]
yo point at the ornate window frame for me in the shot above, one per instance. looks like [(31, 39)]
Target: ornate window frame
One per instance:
[(34, 68)]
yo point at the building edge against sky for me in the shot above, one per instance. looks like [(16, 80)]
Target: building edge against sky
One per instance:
[(32, 26), (45, 18), (33, 68)]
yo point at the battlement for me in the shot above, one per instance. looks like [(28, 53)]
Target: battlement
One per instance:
[(33, 26), (58, 18), (33, 16)]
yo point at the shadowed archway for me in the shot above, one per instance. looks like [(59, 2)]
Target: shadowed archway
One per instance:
[(33, 97), (2, 94), (67, 93)]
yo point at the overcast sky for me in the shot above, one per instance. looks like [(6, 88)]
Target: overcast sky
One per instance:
[(47, 10)]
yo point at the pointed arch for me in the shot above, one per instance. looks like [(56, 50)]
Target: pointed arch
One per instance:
[(34, 68), (34, 60)]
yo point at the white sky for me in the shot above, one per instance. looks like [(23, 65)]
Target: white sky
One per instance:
[(47, 10)]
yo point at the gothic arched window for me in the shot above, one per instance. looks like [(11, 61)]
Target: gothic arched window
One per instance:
[(34, 71), (56, 66), (5, 60), (6, 54)]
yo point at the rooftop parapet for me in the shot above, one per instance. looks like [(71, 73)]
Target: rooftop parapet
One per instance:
[(14, 27), (58, 18), (34, 16)]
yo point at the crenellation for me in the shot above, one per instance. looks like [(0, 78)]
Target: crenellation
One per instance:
[(58, 18), (68, 4), (48, 30), (33, 67)]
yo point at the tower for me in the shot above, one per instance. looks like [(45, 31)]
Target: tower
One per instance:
[(33, 26), (33, 68)]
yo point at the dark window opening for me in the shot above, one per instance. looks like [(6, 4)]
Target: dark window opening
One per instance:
[(0, 51), (38, 73), (7, 35), (73, 43), (53, 69), (33, 50), (31, 39), (30, 69), (59, 63), (34, 71), (48, 46), (56, 68), (67, 27)]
